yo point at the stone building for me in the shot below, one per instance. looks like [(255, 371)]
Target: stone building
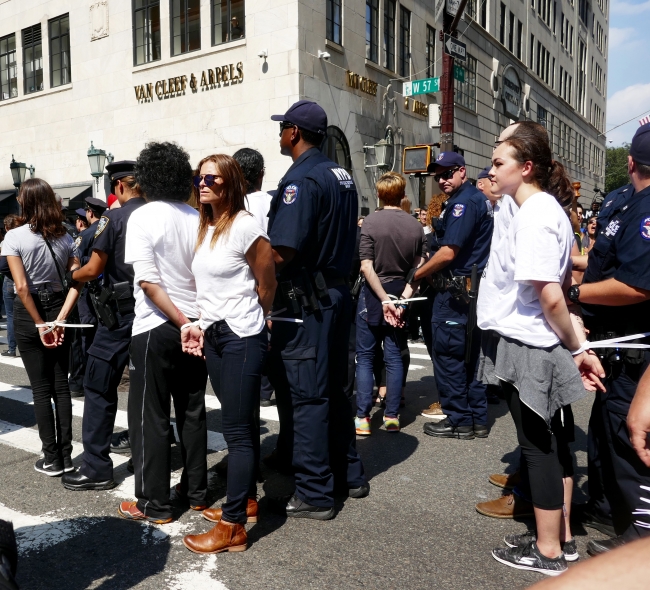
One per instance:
[(208, 74)]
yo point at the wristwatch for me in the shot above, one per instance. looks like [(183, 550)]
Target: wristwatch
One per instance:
[(573, 293)]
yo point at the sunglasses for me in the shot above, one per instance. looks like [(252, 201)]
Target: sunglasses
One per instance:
[(208, 179), (447, 175), (284, 125)]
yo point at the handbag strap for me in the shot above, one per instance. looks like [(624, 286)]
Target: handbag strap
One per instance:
[(56, 262)]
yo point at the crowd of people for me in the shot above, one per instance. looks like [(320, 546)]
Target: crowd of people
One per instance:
[(292, 292)]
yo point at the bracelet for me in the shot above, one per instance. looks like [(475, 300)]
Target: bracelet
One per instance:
[(189, 325), (585, 346)]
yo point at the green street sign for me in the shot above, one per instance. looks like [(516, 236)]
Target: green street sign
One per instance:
[(421, 86), (459, 73)]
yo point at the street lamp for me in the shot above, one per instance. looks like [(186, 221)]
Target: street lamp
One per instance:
[(383, 153), (19, 171), (97, 160)]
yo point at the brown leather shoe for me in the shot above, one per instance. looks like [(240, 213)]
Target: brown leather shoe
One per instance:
[(183, 496), (507, 481), (222, 537), (130, 511), (510, 506), (214, 514)]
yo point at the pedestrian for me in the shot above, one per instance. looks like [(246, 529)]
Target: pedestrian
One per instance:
[(108, 354), (405, 204), (521, 299), (391, 246), (235, 286), (312, 228), (11, 221), (39, 252), (589, 239), (160, 243)]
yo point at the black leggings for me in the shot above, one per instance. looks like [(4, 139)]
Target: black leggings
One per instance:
[(47, 369), (546, 452)]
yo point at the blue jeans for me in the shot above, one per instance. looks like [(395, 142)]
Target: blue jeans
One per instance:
[(367, 339), (235, 371), (8, 296)]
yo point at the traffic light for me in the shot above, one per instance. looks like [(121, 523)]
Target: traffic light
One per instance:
[(416, 159)]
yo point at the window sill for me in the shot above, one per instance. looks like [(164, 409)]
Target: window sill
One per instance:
[(467, 109), (190, 55), (32, 95), (335, 46), (382, 70)]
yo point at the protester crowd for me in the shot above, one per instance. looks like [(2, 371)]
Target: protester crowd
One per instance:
[(292, 292)]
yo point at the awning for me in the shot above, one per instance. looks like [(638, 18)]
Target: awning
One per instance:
[(68, 193), (6, 194)]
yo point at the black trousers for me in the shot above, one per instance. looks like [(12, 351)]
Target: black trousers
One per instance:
[(81, 341), (160, 372), (47, 370), (107, 358)]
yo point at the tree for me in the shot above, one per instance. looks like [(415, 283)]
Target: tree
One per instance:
[(616, 167)]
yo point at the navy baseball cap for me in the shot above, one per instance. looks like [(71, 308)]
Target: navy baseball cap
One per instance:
[(485, 173), (306, 115), (81, 213), (446, 160), (121, 169), (640, 148)]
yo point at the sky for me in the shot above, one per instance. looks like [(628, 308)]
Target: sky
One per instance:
[(628, 70)]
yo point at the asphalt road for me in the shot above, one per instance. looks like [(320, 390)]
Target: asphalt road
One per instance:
[(417, 529)]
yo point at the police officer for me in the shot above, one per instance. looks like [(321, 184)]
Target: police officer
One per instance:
[(462, 240), (83, 339), (109, 352), (615, 297), (312, 228)]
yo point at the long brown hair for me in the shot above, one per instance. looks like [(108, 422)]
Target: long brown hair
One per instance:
[(40, 209), (234, 187)]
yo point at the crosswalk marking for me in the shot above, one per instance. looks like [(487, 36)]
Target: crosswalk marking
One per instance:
[(423, 357)]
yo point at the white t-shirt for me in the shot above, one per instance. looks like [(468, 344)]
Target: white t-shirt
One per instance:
[(536, 247), (259, 203), (160, 241), (225, 283)]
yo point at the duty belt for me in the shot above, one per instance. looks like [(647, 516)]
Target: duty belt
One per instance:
[(305, 291)]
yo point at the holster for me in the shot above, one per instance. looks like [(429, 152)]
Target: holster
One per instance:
[(305, 291), (123, 297)]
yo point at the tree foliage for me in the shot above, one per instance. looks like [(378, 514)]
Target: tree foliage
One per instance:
[(616, 167)]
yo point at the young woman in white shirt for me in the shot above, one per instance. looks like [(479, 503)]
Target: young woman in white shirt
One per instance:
[(235, 282), (522, 299)]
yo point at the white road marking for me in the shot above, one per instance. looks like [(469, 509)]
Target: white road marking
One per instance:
[(14, 361), (423, 357), (417, 345), (270, 413), (415, 367)]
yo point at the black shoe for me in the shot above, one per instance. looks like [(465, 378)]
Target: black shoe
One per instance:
[(52, 469), (120, 442), (588, 517), (266, 403), (297, 508), (360, 492), (569, 548), (446, 429), (529, 557), (481, 431), (129, 466), (76, 481), (76, 393), (597, 547), (67, 464), (8, 353)]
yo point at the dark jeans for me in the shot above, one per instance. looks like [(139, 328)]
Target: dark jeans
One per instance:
[(235, 370), (367, 339), (47, 369), (545, 451), (8, 297), (159, 372)]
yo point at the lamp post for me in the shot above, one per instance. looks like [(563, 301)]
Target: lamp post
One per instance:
[(97, 160), (383, 153), (19, 171)]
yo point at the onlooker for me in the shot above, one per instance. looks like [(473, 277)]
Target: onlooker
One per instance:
[(9, 293), (405, 204), (391, 245), (589, 238), (39, 252), (235, 283)]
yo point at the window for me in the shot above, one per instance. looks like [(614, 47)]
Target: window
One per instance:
[(59, 51), (389, 34), (582, 77), (465, 92), (511, 33), (531, 62), (372, 28), (33, 59), (431, 51), (8, 68), (333, 18), (600, 37), (228, 21), (335, 146), (502, 25), (554, 16), (544, 11), (404, 42), (470, 9), (483, 21), (520, 34), (146, 31), (542, 116), (543, 65), (583, 11), (186, 26), (598, 79), (553, 75)]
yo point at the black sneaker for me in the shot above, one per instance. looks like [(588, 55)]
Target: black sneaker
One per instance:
[(8, 353), (588, 517), (528, 557), (52, 469), (297, 508), (120, 442), (67, 465), (481, 431), (360, 492), (446, 429), (569, 548)]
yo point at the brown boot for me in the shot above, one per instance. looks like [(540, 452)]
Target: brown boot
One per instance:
[(214, 514), (510, 506), (507, 481), (223, 537)]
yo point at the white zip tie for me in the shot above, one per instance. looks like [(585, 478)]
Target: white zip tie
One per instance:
[(618, 342), (273, 317), (400, 301), (61, 324), (196, 323)]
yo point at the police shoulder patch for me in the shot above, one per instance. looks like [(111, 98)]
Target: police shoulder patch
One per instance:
[(645, 228), (458, 210), (77, 242), (343, 176), (101, 226), (290, 194)]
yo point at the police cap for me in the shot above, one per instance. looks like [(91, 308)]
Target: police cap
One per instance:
[(307, 115), (446, 160), (640, 148), (96, 206), (121, 169), (485, 173), (81, 213)]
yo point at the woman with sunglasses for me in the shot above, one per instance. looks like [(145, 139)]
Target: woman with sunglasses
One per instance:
[(235, 283)]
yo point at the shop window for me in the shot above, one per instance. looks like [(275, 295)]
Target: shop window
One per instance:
[(146, 31), (59, 51), (228, 21), (186, 25), (333, 17), (8, 68), (335, 146), (33, 59)]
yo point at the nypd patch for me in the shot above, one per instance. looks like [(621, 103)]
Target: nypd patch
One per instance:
[(101, 226), (645, 228), (77, 242), (458, 210), (343, 176), (612, 228), (290, 194)]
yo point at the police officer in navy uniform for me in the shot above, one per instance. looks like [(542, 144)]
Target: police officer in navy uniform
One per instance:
[(615, 297), (83, 339), (462, 240), (109, 354), (312, 228)]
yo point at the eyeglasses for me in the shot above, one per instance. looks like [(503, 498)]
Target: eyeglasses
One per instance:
[(284, 125), (208, 179), (447, 175)]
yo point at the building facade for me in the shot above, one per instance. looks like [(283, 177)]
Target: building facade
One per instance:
[(208, 74)]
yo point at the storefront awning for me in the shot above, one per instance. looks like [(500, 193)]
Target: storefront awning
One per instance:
[(6, 194), (69, 193)]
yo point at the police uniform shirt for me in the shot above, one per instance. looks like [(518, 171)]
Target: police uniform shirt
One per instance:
[(314, 211), (84, 243), (466, 222), (613, 200)]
